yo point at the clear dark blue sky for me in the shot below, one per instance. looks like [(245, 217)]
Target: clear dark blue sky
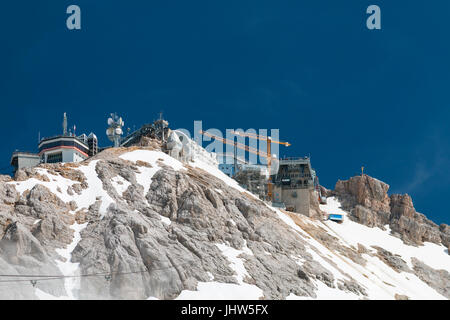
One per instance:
[(336, 90)]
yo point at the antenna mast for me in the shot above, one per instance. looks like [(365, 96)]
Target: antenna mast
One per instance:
[(114, 131), (65, 125)]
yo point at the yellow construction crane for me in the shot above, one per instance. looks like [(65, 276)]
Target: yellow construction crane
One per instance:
[(267, 154), (258, 137), (235, 143), (269, 141)]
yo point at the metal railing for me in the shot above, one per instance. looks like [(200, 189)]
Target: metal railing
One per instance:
[(295, 158)]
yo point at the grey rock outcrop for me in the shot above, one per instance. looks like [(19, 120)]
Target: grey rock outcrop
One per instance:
[(365, 191), (368, 201), (395, 262), (438, 279), (179, 255), (159, 240), (156, 243)]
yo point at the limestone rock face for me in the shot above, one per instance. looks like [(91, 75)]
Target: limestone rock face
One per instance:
[(365, 191), (369, 217), (155, 242), (314, 206), (438, 279), (445, 234), (395, 262), (157, 231), (368, 201), (22, 253), (402, 205), (18, 243), (180, 254)]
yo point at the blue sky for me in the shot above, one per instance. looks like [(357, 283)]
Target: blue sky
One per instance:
[(346, 95)]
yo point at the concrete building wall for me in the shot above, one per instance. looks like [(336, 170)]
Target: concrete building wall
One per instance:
[(70, 155), (77, 157), (20, 160), (297, 199), (27, 162), (67, 155), (24, 160)]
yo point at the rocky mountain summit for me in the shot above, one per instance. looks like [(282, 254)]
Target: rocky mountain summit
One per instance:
[(368, 202), (135, 223)]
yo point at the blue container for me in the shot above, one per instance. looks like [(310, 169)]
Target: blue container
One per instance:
[(336, 217)]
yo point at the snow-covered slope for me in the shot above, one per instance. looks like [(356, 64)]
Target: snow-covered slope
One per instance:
[(188, 206), (379, 279)]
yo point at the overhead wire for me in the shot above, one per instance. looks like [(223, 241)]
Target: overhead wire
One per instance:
[(33, 279)]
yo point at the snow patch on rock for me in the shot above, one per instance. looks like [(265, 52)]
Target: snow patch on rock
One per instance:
[(120, 184), (68, 268)]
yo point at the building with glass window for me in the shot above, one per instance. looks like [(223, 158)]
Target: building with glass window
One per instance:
[(294, 183), (21, 159), (62, 148)]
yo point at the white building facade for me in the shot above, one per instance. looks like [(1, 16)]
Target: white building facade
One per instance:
[(63, 149)]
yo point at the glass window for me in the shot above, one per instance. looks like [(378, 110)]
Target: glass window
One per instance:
[(54, 157)]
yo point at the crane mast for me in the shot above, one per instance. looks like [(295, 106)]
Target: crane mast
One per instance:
[(267, 155)]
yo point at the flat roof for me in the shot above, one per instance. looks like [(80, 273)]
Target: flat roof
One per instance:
[(24, 154), (61, 137)]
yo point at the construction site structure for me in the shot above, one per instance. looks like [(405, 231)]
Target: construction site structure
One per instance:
[(260, 179), (288, 183), (253, 178), (228, 167), (294, 184), (269, 155), (240, 173)]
